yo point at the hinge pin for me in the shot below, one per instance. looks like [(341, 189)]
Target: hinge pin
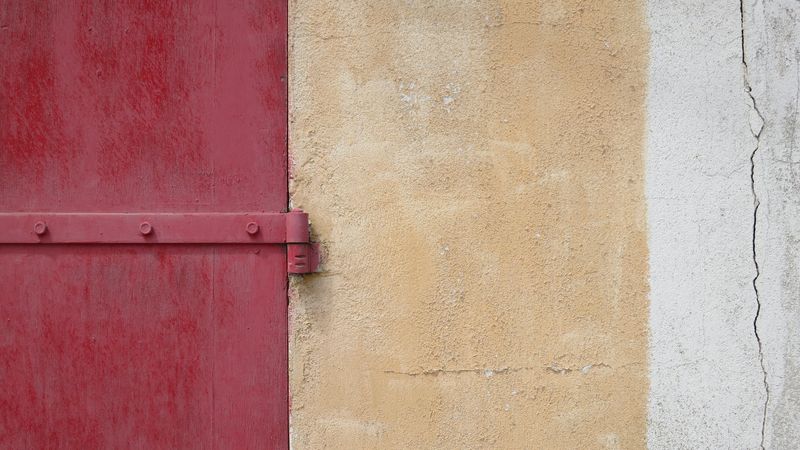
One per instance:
[(302, 254)]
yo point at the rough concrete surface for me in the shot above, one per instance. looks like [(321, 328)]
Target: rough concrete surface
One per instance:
[(772, 38), (706, 383), (475, 171)]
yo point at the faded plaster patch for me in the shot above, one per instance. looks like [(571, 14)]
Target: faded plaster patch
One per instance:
[(475, 172)]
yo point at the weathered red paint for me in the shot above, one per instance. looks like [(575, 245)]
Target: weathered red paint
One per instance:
[(145, 109)]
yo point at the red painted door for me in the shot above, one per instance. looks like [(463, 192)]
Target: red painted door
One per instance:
[(138, 141)]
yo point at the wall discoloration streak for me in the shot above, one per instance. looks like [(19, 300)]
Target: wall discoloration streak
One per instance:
[(475, 172)]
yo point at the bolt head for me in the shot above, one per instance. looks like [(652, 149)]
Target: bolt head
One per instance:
[(145, 228), (252, 228), (40, 228)]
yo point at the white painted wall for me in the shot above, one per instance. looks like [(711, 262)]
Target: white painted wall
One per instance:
[(706, 380)]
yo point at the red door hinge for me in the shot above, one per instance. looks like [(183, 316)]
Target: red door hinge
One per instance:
[(302, 255), (290, 229)]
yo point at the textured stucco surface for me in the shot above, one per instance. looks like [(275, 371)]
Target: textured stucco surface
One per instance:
[(475, 172), (706, 384), (772, 37)]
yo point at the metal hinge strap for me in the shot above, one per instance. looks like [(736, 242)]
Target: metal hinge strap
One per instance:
[(290, 228)]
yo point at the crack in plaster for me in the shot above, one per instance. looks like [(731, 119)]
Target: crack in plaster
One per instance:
[(756, 204), (553, 368), (442, 371)]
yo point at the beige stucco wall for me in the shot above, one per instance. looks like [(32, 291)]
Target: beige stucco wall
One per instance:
[(475, 172)]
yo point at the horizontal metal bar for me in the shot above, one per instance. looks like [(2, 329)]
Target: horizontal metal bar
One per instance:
[(145, 228)]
